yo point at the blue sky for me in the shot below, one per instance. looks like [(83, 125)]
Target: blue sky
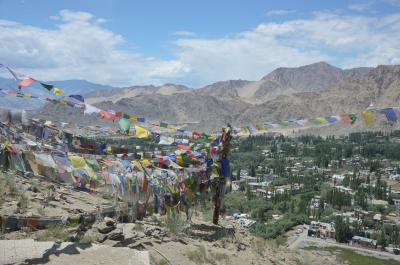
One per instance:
[(192, 42)]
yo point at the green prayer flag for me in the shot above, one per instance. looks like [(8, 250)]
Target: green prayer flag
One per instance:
[(47, 86), (163, 124), (353, 118), (124, 125), (126, 116)]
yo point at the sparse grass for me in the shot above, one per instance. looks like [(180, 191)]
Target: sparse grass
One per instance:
[(355, 258), (138, 227), (86, 239), (54, 233), (279, 241), (207, 213), (259, 245), (175, 224), (155, 261), (200, 256), (219, 257), (41, 211), (23, 204)]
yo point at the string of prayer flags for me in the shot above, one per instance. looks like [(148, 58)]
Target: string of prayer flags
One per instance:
[(77, 97), (390, 115), (141, 132), (368, 117)]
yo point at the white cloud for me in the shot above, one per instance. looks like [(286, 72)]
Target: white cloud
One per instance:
[(184, 33), (280, 12), (81, 48), (360, 7)]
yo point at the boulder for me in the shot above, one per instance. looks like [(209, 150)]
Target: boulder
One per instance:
[(109, 221), (104, 229), (116, 235)]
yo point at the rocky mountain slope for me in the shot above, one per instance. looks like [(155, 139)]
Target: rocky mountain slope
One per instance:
[(309, 91)]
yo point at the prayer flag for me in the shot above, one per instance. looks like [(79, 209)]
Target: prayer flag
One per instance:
[(164, 140), (141, 132), (47, 86), (124, 125), (163, 125), (390, 115), (107, 115), (77, 97), (353, 118), (345, 119), (26, 82), (57, 91), (332, 119), (141, 119), (368, 117)]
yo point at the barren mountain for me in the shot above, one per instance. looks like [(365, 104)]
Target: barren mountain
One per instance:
[(315, 90), (380, 86)]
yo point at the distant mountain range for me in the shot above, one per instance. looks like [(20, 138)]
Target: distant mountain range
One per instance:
[(70, 87), (313, 90)]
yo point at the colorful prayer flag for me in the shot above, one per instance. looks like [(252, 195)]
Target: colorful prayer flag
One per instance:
[(47, 86), (141, 132), (368, 117), (57, 91), (390, 115), (124, 125), (77, 97), (353, 118)]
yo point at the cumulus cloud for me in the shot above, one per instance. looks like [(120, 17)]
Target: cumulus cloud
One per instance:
[(80, 47)]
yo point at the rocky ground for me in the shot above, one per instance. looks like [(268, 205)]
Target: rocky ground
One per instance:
[(168, 240)]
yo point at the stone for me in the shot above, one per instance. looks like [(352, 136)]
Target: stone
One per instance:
[(104, 229), (116, 235), (109, 221)]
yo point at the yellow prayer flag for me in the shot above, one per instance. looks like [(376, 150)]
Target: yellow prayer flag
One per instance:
[(146, 162), (141, 132), (137, 165), (368, 117), (171, 127), (79, 162), (57, 91), (321, 119), (133, 118)]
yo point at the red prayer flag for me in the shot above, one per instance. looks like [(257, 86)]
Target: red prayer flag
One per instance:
[(183, 147), (26, 82), (345, 119), (107, 115), (196, 134)]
